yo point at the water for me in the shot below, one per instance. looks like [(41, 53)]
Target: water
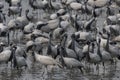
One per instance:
[(35, 71)]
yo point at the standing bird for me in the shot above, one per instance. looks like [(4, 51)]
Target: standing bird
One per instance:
[(9, 2), (30, 16), (29, 28), (113, 50), (98, 3), (75, 6), (76, 47), (93, 57), (18, 61), (40, 5), (45, 61), (54, 5), (68, 52), (105, 56), (20, 51), (4, 32), (2, 17), (14, 10), (16, 3), (1, 5), (1, 46), (70, 62), (51, 49), (6, 56)]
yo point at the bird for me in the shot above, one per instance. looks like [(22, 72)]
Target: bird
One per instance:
[(75, 5), (1, 46), (48, 26), (29, 28), (61, 12), (9, 2), (41, 40), (11, 28), (98, 3), (29, 45), (2, 17), (39, 5), (16, 3), (77, 24), (51, 49), (14, 10), (30, 16), (20, 51), (24, 19), (76, 47), (116, 39), (111, 20), (53, 16), (67, 2), (15, 28), (64, 23), (117, 2), (3, 29), (45, 61), (43, 27), (18, 61), (113, 50), (70, 62), (84, 35), (67, 51), (6, 55), (88, 25), (57, 33), (105, 56), (103, 35), (86, 10), (93, 57), (55, 5), (4, 32), (85, 48)]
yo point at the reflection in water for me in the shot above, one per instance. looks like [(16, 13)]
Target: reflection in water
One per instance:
[(36, 73)]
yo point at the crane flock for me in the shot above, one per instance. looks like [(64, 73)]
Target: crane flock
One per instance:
[(63, 33)]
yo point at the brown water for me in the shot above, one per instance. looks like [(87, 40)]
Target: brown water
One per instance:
[(35, 71)]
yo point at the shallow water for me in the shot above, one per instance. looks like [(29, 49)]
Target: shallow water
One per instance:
[(35, 71)]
